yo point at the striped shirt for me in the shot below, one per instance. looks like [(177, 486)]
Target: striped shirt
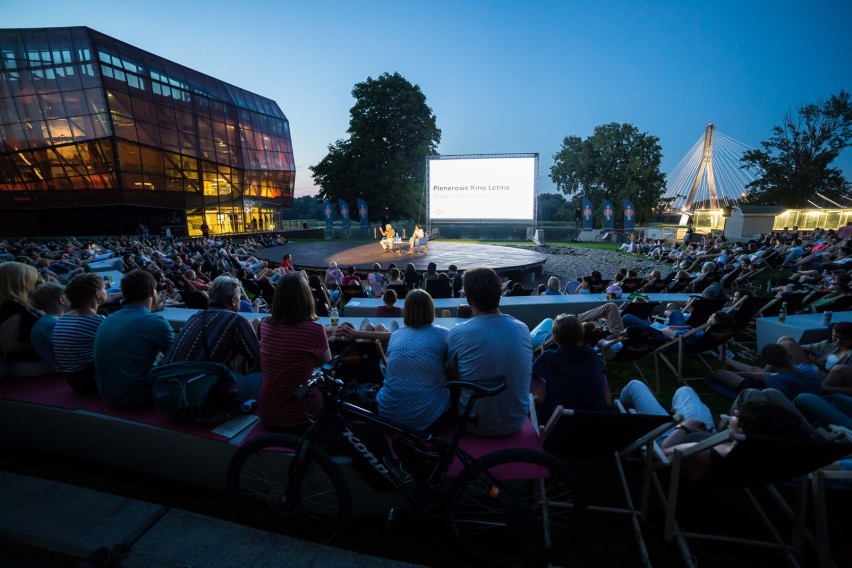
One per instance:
[(74, 342), (216, 335), (289, 353)]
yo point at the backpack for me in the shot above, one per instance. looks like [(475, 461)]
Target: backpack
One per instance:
[(196, 392)]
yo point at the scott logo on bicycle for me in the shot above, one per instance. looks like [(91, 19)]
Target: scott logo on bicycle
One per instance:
[(364, 451)]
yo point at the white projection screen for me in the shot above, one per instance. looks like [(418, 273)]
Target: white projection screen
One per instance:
[(482, 188)]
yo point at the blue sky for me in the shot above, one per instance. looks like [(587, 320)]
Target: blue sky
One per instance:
[(500, 76)]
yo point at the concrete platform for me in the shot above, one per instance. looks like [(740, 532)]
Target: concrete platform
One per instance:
[(47, 517)]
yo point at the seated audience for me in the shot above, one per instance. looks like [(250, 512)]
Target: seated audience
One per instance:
[(50, 299), (553, 287), (389, 309), (127, 343), (781, 373), (220, 334), (491, 345), (413, 392), (292, 345), (571, 375), (74, 334), (17, 318)]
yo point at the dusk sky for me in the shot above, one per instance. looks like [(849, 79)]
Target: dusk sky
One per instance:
[(500, 76)]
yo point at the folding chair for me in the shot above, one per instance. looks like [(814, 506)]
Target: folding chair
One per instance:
[(438, 288), (753, 462), (585, 433), (194, 300), (633, 356), (819, 485), (686, 346), (400, 289), (639, 309)]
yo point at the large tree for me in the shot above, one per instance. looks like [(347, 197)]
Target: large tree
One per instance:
[(616, 161), (795, 162), (391, 131)]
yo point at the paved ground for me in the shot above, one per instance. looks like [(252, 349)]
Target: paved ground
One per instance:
[(45, 523)]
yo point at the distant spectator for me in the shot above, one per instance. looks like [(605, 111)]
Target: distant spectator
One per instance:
[(50, 299), (389, 309), (17, 318), (74, 334)]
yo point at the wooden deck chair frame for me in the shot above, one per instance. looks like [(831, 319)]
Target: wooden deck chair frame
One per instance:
[(620, 359), (683, 351), (751, 463), (620, 432)]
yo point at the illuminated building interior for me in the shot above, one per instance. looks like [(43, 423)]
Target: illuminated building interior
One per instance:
[(124, 137)]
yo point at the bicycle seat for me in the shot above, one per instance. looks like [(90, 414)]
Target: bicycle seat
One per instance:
[(492, 386)]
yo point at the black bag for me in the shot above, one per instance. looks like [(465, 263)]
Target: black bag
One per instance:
[(196, 392)]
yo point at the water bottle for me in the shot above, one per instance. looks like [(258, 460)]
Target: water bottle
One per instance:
[(826, 319), (782, 313), (248, 406), (335, 317)]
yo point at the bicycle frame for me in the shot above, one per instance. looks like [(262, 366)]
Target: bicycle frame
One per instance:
[(334, 415)]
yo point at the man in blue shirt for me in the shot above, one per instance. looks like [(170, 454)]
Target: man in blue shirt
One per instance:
[(128, 342), (492, 344), (780, 374)]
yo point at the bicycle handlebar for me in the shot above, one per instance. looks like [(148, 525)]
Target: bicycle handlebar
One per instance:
[(321, 376)]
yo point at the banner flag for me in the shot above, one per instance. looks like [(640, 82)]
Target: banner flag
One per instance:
[(328, 213), (344, 214), (608, 215), (629, 215), (362, 214), (587, 214)]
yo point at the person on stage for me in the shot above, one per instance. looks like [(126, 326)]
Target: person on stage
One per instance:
[(415, 236), (387, 241)]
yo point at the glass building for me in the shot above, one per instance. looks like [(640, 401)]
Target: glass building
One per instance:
[(98, 136)]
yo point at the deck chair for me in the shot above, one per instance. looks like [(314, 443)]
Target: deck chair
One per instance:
[(686, 347), (639, 309), (819, 485), (728, 278), (400, 289), (194, 300), (702, 309), (654, 287), (438, 288), (629, 285), (754, 462), (839, 304), (633, 356), (584, 433), (678, 286)]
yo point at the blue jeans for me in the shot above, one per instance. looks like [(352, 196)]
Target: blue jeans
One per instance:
[(833, 409), (685, 402)]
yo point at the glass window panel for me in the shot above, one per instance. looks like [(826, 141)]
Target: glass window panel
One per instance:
[(88, 77), (119, 103), (113, 84), (74, 102), (206, 148), (152, 161), (174, 184), (205, 128), (36, 133), (81, 127), (68, 78), (143, 110), (13, 137), (189, 166), (129, 158), (189, 144), (166, 116), (136, 81), (95, 100), (60, 130), (28, 108), (124, 127), (80, 182), (185, 121), (148, 134), (8, 111), (101, 126), (169, 139), (154, 182), (133, 180), (51, 105)]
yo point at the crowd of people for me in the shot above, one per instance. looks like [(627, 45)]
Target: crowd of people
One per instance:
[(59, 315)]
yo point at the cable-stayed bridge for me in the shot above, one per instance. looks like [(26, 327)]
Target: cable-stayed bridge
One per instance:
[(710, 175)]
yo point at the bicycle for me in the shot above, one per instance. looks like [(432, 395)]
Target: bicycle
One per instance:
[(604, 236), (513, 505)]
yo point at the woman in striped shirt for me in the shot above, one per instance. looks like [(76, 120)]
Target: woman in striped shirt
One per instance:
[(292, 344), (74, 333)]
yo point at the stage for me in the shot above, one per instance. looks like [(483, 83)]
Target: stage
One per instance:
[(507, 261)]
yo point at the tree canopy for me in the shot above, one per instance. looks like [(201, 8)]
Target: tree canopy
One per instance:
[(391, 131), (796, 160), (616, 161)]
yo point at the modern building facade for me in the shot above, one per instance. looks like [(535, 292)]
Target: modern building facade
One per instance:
[(98, 136)]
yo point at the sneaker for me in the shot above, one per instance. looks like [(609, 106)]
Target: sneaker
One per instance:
[(394, 325), (770, 285), (364, 323)]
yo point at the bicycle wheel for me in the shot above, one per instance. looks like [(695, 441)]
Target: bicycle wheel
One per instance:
[(517, 506), (308, 498)]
